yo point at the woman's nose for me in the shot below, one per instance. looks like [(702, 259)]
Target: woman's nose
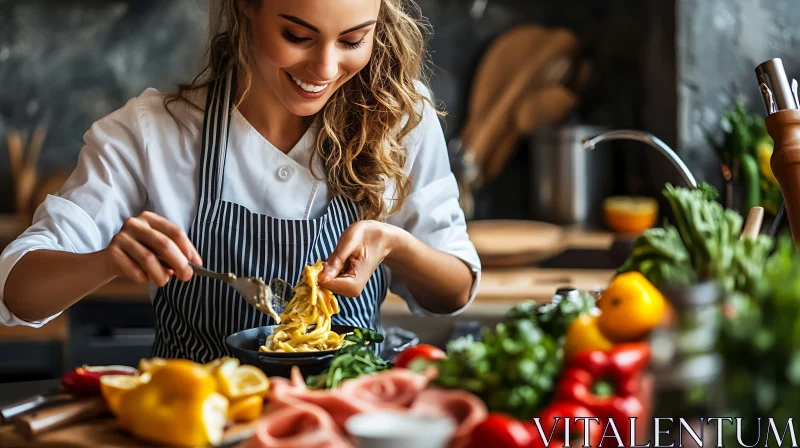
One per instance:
[(325, 65)]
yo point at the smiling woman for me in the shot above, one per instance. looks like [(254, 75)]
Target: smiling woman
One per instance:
[(309, 135)]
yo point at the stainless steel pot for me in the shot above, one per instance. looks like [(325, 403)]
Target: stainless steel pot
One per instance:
[(569, 183)]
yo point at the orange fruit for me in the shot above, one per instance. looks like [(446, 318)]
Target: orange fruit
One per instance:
[(630, 214)]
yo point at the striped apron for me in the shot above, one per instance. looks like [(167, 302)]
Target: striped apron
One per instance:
[(194, 318)]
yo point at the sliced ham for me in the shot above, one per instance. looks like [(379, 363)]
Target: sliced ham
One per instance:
[(392, 389), (297, 416), (292, 424), (465, 408)]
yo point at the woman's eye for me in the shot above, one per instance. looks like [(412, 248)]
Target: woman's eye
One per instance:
[(353, 45), (292, 38)]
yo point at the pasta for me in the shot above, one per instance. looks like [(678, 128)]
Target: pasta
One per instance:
[(306, 322)]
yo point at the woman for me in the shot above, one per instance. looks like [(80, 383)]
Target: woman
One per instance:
[(307, 136)]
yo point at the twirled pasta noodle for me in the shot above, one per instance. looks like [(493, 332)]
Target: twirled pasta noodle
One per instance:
[(310, 306)]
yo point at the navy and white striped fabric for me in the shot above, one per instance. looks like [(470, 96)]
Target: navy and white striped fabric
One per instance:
[(194, 318)]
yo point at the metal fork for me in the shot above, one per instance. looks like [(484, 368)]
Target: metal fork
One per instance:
[(269, 300)]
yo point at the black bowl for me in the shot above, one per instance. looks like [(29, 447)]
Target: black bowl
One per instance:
[(244, 346)]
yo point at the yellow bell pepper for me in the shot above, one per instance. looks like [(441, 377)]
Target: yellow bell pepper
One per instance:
[(178, 406), (583, 335), (631, 307), (764, 150)]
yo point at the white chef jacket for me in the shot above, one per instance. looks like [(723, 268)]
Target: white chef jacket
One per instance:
[(139, 158)]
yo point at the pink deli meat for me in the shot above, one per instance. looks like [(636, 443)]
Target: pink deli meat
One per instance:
[(297, 416), (465, 408)]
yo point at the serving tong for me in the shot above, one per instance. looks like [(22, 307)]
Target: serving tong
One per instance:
[(269, 299)]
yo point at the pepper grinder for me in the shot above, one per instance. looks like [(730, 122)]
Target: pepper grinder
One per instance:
[(783, 125)]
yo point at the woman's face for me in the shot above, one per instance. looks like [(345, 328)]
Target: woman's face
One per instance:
[(306, 49)]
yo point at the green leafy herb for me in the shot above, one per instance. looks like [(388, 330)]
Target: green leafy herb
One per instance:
[(356, 358), (761, 342), (702, 242), (514, 368)]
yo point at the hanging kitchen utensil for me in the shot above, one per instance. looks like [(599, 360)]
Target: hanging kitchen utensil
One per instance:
[(23, 161), (498, 65), (494, 73), (481, 134)]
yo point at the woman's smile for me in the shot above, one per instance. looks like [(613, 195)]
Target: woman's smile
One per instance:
[(304, 51), (307, 89)]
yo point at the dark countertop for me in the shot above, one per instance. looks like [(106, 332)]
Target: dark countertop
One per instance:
[(14, 392)]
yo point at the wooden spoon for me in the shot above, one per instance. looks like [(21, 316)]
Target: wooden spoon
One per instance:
[(499, 64), (480, 134), (752, 225)]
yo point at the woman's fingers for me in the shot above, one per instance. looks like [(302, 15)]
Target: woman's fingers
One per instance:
[(349, 243), (163, 248), (346, 286), (175, 234), (126, 266), (145, 258), (352, 277)]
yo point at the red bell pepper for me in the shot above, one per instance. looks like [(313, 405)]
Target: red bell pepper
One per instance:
[(500, 431), (605, 382), (85, 381), (556, 415)]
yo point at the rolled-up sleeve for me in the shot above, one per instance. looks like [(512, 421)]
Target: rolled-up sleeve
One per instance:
[(431, 212), (105, 188)]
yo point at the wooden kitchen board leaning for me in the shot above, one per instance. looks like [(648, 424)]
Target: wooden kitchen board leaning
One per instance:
[(501, 242), (102, 432)]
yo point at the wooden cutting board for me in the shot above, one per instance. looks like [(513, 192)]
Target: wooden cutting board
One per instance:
[(103, 432), (515, 242)]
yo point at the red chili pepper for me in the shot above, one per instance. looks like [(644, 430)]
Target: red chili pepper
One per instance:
[(605, 383), (500, 431), (85, 381), (560, 412)]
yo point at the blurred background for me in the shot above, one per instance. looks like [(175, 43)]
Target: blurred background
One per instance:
[(523, 82)]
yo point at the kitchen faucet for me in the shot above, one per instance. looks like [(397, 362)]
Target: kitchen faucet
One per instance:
[(648, 138)]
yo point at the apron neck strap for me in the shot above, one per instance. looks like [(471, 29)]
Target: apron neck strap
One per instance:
[(216, 123)]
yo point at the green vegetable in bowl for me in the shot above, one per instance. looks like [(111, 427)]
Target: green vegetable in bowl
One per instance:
[(356, 358)]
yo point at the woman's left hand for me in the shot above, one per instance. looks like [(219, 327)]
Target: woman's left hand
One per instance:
[(361, 249)]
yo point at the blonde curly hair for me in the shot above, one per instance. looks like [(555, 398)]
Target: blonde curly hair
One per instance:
[(363, 125)]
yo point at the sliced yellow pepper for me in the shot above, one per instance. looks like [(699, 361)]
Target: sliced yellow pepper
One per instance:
[(584, 335), (631, 307), (178, 406), (246, 409)]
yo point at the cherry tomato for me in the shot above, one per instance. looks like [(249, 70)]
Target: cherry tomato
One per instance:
[(426, 352), (500, 431)]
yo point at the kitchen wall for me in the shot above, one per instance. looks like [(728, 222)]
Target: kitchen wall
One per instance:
[(69, 63), (719, 44), (667, 66)]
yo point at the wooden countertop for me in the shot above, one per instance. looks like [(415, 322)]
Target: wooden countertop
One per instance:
[(499, 288)]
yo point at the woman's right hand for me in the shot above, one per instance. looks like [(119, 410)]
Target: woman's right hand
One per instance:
[(135, 251)]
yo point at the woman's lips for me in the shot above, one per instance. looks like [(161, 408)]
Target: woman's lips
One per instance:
[(307, 90)]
